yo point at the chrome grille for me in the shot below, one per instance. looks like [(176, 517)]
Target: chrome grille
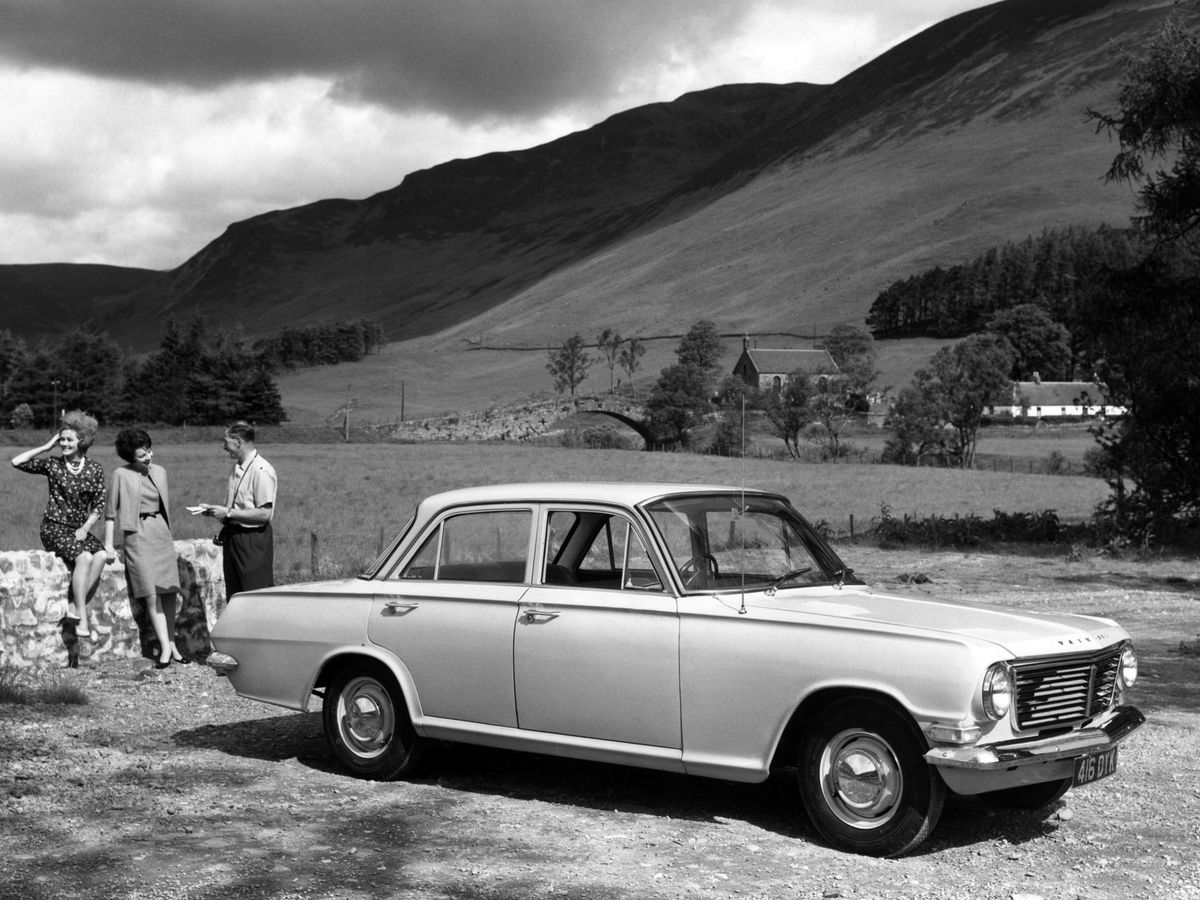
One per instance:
[(1063, 690)]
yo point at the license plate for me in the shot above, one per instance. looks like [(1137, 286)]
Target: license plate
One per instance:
[(1095, 766)]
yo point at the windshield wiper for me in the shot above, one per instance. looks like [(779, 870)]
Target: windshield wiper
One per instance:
[(786, 576)]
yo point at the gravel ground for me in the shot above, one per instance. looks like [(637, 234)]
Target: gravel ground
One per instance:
[(166, 785)]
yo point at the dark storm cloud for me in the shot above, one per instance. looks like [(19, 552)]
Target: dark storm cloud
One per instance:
[(471, 59)]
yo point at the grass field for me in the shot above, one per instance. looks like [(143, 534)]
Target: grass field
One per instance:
[(350, 498)]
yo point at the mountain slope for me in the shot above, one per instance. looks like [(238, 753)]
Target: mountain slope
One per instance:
[(457, 238), (764, 207)]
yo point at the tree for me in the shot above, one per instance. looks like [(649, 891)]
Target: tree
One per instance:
[(677, 402), (836, 401), (788, 411), (853, 349), (941, 412), (1039, 344), (200, 381), (918, 435), (832, 406), (1147, 323), (13, 355), (631, 357), (700, 348), (569, 365), (1158, 117), (736, 400), (83, 369), (966, 378), (1144, 322), (609, 343)]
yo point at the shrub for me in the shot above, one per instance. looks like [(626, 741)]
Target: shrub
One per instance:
[(25, 688), (22, 416)]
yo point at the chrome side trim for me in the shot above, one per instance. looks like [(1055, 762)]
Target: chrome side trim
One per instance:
[(663, 758), (1124, 721)]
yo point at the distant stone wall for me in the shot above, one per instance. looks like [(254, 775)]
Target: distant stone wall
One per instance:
[(521, 422), (33, 601)]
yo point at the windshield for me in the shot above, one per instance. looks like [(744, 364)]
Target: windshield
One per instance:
[(717, 543), (374, 569)]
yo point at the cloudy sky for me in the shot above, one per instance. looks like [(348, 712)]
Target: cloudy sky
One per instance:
[(134, 131)]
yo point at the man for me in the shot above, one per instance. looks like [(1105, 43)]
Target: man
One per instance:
[(248, 544)]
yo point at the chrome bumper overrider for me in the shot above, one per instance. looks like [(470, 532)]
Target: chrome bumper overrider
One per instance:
[(1124, 721), (222, 663)]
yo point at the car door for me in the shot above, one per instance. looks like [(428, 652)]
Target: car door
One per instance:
[(448, 610), (596, 648)]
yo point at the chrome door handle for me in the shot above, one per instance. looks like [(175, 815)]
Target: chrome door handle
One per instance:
[(395, 607), (532, 615)]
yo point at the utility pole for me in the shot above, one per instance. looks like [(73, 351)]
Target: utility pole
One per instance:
[(54, 383)]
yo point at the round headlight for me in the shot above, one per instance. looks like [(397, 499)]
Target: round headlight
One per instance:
[(1128, 667), (997, 690)]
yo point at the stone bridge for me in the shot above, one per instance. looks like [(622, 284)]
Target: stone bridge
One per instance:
[(520, 422)]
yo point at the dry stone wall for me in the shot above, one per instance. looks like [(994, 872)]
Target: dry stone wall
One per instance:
[(33, 601), (522, 422)]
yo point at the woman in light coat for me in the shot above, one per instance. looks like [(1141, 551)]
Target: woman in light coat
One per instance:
[(138, 506)]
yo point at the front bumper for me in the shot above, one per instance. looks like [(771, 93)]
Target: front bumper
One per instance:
[(972, 770)]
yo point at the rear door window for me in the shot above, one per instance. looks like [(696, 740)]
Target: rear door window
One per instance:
[(486, 545)]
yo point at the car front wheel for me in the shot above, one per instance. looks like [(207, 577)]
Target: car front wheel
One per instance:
[(367, 725), (864, 780)]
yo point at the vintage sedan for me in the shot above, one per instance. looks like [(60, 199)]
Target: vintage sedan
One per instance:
[(696, 629)]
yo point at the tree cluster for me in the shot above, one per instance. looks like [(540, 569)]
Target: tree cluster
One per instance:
[(1054, 271), (190, 379), (323, 344), (568, 364)]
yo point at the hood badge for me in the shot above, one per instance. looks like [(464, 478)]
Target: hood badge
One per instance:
[(1086, 639)]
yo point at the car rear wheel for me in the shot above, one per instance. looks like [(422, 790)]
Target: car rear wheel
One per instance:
[(367, 726), (1028, 796), (864, 780)]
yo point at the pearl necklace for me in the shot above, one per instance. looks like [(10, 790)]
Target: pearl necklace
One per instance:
[(75, 468)]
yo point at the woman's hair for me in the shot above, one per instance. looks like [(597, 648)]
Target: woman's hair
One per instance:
[(129, 441), (84, 426)]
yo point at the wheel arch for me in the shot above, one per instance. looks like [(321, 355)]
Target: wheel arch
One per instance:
[(367, 657), (788, 746)]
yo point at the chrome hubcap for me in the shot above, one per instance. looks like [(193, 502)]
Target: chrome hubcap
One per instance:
[(861, 779), (366, 718)]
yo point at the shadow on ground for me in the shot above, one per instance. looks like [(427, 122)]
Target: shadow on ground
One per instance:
[(532, 779)]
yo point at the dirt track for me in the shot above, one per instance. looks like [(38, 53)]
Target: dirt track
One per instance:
[(167, 785)]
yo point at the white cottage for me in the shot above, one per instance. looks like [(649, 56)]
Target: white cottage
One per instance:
[(1052, 399)]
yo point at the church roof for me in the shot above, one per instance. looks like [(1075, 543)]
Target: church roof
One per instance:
[(784, 362)]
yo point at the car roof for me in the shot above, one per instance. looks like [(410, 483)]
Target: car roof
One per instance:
[(622, 492)]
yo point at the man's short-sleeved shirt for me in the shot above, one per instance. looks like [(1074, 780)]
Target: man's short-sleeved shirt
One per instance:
[(252, 485)]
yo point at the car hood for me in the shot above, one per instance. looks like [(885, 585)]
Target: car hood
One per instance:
[(1019, 632)]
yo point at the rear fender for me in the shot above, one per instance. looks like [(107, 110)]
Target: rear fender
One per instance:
[(341, 658)]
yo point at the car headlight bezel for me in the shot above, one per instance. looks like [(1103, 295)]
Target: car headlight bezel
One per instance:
[(999, 687), (1127, 668)]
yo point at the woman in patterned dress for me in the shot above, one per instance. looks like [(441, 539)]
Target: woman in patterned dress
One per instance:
[(137, 505), (74, 506)]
